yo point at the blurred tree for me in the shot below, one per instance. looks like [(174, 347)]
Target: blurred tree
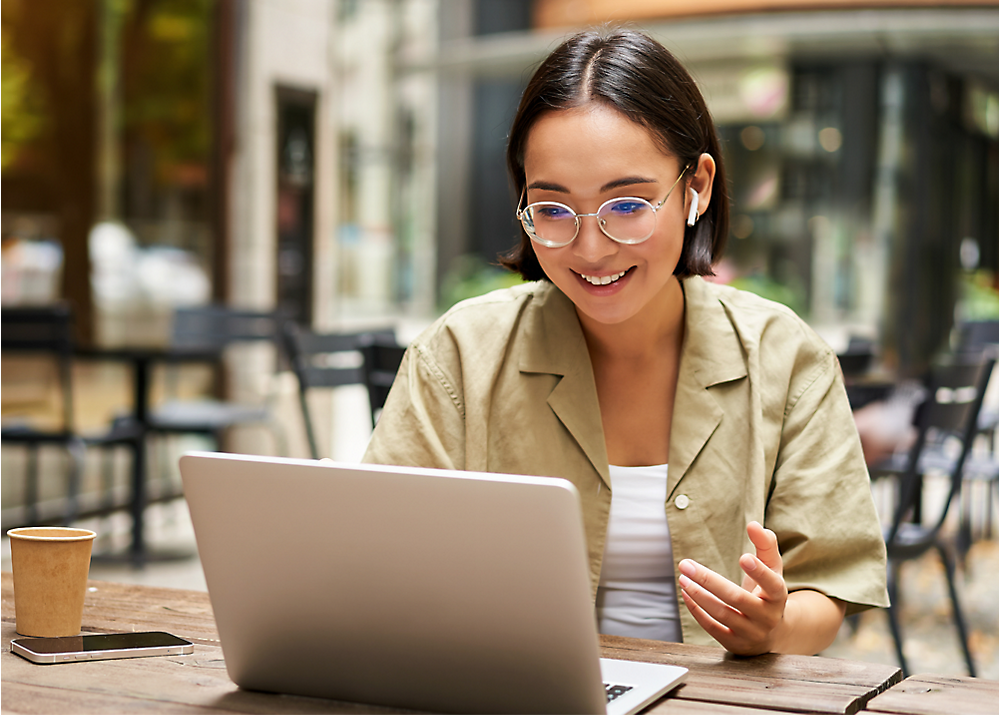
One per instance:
[(167, 106), (51, 48), (161, 106), (23, 110)]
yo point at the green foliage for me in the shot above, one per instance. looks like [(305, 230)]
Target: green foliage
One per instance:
[(470, 275), (767, 287), (158, 54), (23, 108), (168, 81), (979, 298)]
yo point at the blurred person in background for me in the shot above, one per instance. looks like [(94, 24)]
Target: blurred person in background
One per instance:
[(724, 491)]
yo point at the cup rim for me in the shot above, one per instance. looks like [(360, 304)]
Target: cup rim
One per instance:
[(66, 533)]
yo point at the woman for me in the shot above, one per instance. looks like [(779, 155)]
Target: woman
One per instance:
[(707, 430)]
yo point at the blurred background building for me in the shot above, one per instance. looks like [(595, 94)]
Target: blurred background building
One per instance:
[(343, 160)]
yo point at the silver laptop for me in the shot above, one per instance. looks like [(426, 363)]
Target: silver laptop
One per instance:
[(404, 587)]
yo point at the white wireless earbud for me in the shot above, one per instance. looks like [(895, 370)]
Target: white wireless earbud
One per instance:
[(693, 213)]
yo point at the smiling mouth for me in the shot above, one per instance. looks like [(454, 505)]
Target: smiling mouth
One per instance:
[(603, 280)]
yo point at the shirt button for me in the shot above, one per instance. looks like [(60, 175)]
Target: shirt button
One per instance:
[(682, 501)]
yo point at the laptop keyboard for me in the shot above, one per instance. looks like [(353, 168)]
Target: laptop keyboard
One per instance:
[(614, 691)]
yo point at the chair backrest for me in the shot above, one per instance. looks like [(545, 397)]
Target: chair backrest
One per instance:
[(954, 392), (327, 360), (46, 330), (215, 327), (212, 329), (382, 358), (975, 335), (857, 359)]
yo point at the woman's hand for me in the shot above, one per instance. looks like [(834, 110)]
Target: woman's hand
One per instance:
[(760, 616), (742, 618)]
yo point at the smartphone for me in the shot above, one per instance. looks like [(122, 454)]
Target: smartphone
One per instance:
[(103, 646)]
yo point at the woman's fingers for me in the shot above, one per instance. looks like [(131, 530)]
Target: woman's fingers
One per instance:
[(715, 629), (766, 543), (770, 584), (716, 595), (733, 629), (742, 618), (723, 600)]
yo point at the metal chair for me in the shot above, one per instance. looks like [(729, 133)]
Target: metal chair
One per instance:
[(47, 333), (382, 358), (982, 474), (948, 412), (215, 329), (329, 360), (857, 358)]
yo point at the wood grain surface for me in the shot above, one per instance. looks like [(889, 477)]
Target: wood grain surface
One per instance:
[(718, 682), (936, 694)]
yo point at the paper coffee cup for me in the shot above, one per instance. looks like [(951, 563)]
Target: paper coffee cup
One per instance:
[(50, 566)]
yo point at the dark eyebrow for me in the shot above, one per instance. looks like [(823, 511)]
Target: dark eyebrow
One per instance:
[(624, 181), (548, 186), (627, 181)]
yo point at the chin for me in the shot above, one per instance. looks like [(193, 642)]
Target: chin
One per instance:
[(607, 317)]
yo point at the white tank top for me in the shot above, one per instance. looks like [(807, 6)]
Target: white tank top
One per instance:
[(636, 596)]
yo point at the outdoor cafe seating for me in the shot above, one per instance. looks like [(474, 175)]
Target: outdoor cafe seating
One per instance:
[(46, 335), (200, 336), (946, 422), (330, 360), (214, 329)]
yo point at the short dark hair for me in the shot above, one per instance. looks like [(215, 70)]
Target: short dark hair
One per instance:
[(637, 76)]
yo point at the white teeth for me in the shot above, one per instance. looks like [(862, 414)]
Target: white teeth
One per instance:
[(602, 280)]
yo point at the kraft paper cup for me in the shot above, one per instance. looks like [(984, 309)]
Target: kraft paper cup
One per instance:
[(50, 566)]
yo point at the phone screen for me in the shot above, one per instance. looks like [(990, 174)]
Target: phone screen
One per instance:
[(110, 641), (100, 645)]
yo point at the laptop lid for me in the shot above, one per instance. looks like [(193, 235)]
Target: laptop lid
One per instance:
[(407, 587)]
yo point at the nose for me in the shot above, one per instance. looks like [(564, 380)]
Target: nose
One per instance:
[(591, 244)]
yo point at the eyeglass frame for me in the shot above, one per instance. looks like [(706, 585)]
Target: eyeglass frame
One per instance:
[(600, 223)]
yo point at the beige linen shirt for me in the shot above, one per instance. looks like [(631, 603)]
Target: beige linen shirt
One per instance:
[(762, 430)]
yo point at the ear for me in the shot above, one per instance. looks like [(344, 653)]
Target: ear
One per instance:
[(701, 182)]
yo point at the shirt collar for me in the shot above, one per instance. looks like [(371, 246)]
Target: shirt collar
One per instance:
[(712, 349), (555, 336), (713, 354)]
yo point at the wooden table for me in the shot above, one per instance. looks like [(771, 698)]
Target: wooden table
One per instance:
[(718, 682), (936, 694)]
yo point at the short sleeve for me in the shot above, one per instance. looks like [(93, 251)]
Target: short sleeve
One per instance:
[(820, 505), (423, 420)]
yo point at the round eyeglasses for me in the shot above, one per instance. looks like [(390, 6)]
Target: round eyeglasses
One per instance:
[(629, 219)]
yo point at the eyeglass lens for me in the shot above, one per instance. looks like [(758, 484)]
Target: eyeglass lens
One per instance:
[(629, 220)]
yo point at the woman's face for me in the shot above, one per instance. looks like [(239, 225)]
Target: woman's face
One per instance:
[(581, 158)]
